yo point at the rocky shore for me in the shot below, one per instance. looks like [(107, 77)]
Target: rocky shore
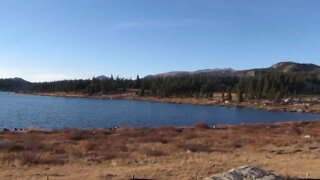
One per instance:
[(306, 106)]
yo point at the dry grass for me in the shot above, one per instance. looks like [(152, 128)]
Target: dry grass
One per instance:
[(128, 147)]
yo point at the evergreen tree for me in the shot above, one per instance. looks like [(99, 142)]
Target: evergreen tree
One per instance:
[(229, 95), (240, 96), (138, 82), (222, 96)]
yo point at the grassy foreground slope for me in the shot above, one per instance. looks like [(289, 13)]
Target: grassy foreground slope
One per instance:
[(287, 149)]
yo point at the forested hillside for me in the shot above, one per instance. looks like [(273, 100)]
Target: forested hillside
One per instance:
[(278, 81)]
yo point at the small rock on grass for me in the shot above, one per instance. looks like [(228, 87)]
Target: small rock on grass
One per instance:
[(245, 173)]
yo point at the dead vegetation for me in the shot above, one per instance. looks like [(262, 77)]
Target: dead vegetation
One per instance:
[(130, 145)]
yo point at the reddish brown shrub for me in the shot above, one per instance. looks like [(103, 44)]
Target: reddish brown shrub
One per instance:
[(10, 147), (155, 153), (76, 134), (195, 147), (201, 126)]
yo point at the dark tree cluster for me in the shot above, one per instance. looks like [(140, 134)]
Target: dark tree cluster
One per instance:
[(187, 86), (14, 84), (89, 86), (273, 85), (279, 85)]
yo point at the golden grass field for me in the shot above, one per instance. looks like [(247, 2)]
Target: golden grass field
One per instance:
[(286, 149)]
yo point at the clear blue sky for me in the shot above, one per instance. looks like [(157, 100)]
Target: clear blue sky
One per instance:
[(57, 39)]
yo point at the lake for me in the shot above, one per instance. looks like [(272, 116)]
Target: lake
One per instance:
[(27, 111)]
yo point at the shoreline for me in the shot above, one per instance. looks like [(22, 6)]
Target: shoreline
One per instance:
[(313, 108)]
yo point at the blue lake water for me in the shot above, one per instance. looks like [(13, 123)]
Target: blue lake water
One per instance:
[(26, 111)]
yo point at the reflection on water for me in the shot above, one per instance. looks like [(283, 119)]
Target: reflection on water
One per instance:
[(24, 111)]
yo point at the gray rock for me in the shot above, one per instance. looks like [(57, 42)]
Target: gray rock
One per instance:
[(245, 173)]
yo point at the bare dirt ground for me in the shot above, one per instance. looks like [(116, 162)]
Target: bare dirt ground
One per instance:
[(286, 149)]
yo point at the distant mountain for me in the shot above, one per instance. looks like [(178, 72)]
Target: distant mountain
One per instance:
[(13, 84), (102, 77), (285, 67), (19, 80), (16, 80), (207, 72), (294, 67), (217, 72)]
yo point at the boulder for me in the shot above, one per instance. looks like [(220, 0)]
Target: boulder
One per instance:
[(245, 173)]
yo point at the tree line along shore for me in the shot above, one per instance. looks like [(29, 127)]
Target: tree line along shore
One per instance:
[(284, 86), (272, 86)]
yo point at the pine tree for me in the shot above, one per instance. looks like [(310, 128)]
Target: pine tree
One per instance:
[(277, 97), (240, 96), (222, 96), (229, 96), (138, 82)]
